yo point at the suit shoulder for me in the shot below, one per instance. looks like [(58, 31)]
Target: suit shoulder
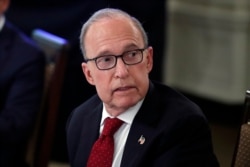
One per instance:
[(23, 41), (87, 106), (171, 98)]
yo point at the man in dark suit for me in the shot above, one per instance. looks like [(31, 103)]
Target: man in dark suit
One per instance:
[(51, 16), (161, 127), (21, 86)]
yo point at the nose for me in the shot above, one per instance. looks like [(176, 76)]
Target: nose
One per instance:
[(121, 69)]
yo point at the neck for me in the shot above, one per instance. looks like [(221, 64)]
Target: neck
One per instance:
[(115, 111)]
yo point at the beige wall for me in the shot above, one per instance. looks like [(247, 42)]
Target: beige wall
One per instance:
[(208, 48)]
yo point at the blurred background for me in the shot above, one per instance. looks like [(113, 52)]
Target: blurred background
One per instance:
[(207, 58), (201, 48)]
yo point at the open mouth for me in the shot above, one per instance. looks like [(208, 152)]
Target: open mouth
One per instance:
[(124, 89)]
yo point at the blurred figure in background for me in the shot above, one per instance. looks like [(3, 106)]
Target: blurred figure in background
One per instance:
[(21, 87)]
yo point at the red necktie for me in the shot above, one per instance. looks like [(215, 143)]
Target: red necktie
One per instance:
[(102, 152)]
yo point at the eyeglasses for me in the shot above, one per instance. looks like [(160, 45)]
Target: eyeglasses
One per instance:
[(109, 61)]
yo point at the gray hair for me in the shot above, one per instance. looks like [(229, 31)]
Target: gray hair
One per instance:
[(109, 13)]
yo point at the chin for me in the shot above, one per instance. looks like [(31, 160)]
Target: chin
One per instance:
[(127, 103)]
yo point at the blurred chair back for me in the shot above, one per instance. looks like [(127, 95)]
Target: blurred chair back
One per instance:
[(242, 151), (56, 51)]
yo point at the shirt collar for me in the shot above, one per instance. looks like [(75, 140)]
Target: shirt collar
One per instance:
[(127, 116), (2, 21)]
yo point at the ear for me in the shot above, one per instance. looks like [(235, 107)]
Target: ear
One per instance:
[(87, 73), (149, 58)]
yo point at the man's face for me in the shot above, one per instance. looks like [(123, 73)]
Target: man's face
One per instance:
[(124, 85)]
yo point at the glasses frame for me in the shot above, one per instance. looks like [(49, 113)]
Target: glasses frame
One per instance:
[(116, 57)]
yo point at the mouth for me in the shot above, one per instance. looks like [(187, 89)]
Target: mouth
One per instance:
[(124, 89)]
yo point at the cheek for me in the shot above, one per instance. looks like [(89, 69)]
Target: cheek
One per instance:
[(140, 76), (100, 77), (143, 70), (102, 83), (103, 90)]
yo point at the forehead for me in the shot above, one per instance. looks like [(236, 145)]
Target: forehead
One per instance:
[(112, 34)]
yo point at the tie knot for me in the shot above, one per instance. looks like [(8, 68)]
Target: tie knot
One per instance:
[(111, 125)]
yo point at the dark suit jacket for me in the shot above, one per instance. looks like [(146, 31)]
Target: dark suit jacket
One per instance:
[(175, 130), (21, 86)]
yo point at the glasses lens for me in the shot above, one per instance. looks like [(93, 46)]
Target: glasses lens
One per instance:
[(132, 57), (105, 62), (129, 58)]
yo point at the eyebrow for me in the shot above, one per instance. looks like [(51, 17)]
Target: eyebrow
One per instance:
[(126, 48)]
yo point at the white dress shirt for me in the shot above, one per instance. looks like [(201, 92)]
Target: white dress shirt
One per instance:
[(121, 134)]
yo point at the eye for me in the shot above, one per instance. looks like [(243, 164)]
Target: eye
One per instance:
[(131, 54), (105, 59)]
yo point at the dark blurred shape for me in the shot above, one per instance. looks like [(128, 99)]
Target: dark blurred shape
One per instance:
[(241, 155), (21, 83), (41, 143)]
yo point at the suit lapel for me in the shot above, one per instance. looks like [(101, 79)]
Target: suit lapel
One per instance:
[(90, 133), (138, 140), (5, 41), (142, 131)]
